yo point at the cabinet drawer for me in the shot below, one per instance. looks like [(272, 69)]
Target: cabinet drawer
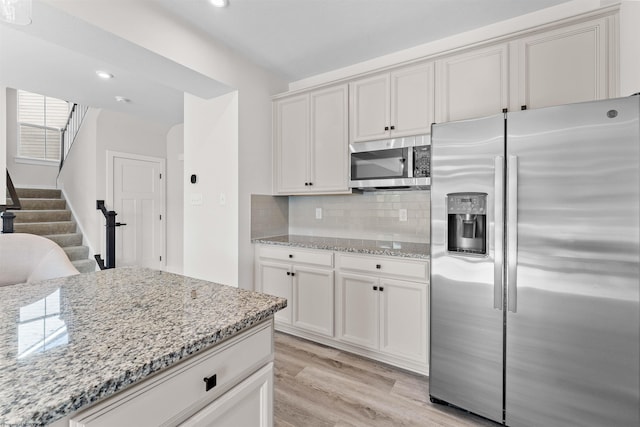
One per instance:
[(323, 258), (385, 266), (173, 395)]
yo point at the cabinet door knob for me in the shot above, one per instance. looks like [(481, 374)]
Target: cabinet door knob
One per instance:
[(523, 107), (393, 127), (381, 289), (375, 288), (210, 382), (311, 183), (386, 128), (290, 255), (378, 266), (293, 274), (306, 183), (288, 273)]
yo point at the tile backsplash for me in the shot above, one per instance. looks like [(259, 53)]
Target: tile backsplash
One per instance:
[(269, 216), (370, 215)]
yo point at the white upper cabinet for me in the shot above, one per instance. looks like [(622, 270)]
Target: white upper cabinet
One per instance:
[(412, 100), (369, 108), (566, 65), (472, 84), (310, 142), (329, 160), (394, 104), (291, 143)]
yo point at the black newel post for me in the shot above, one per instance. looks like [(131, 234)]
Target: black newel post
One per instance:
[(111, 239), (7, 221), (111, 225)]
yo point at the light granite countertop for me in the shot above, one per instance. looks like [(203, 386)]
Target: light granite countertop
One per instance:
[(65, 343), (369, 247)]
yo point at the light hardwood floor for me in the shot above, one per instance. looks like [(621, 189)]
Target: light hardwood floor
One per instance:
[(320, 386)]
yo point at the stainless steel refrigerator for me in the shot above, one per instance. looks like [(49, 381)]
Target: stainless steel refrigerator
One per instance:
[(535, 257)]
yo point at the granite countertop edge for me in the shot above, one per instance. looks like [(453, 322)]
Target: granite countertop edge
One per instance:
[(319, 244)]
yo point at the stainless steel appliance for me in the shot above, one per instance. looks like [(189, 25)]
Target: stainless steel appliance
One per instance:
[(541, 326), (391, 163)]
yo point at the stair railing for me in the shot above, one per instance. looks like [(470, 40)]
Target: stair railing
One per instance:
[(70, 130), (111, 225), (8, 216)]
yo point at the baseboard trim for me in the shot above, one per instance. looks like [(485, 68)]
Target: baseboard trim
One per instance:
[(422, 369)]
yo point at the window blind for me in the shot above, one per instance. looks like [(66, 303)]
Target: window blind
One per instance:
[(40, 121)]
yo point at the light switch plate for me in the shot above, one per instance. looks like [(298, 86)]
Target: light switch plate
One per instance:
[(402, 214), (318, 213)]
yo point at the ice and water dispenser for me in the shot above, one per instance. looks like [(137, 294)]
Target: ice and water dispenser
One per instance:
[(467, 223)]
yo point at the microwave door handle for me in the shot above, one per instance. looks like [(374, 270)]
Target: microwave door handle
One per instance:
[(409, 154)]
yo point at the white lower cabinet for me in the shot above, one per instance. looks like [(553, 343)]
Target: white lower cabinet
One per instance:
[(357, 309), (313, 299), (250, 403), (404, 325), (305, 279), (276, 280), (379, 308), (240, 395), (386, 315)]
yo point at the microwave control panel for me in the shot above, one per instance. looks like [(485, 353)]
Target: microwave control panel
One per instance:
[(422, 161)]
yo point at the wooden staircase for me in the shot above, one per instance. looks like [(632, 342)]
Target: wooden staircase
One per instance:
[(44, 212)]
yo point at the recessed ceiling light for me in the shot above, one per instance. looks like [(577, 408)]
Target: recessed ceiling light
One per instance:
[(104, 75), (219, 3), (123, 99)]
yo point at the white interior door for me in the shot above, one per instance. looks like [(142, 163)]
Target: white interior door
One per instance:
[(138, 199)]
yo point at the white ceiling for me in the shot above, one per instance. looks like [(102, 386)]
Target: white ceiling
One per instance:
[(57, 54)]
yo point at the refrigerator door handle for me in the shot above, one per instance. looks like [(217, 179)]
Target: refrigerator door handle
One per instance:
[(498, 233), (512, 234)]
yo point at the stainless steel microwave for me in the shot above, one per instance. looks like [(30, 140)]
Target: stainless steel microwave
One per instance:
[(391, 164)]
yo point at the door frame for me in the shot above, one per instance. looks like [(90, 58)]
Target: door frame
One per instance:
[(111, 156)]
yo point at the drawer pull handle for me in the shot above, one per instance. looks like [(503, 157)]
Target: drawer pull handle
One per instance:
[(210, 382), (378, 266)]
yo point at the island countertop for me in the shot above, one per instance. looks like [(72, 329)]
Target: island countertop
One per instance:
[(65, 343)]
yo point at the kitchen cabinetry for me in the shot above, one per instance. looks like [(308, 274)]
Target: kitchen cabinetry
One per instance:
[(241, 394), (306, 279), (311, 142), (569, 64), (379, 308), (472, 84), (381, 313), (394, 104)]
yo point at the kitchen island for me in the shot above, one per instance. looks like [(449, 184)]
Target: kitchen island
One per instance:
[(133, 346)]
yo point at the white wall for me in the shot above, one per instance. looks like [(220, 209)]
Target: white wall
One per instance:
[(175, 199), (78, 179), (24, 173), (84, 176), (193, 49), (126, 133), (3, 143), (496, 31), (211, 153)]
